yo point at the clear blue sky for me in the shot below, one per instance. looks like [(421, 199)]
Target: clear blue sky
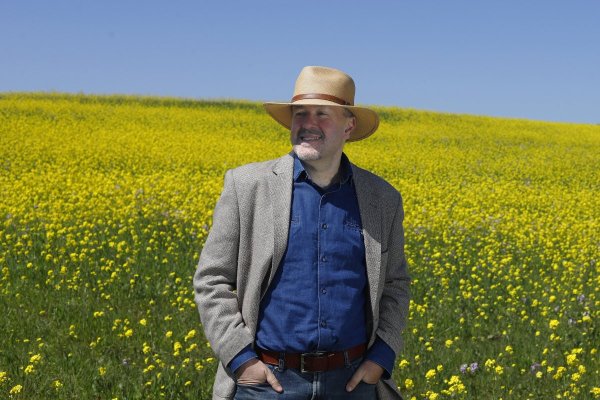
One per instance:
[(512, 58)]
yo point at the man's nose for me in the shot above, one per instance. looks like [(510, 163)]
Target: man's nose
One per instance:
[(309, 121)]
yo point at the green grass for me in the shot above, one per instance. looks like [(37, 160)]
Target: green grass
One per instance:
[(106, 202)]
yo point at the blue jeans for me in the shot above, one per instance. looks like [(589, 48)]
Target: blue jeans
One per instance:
[(309, 386)]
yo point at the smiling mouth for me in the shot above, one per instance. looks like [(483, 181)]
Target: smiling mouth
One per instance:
[(309, 137)]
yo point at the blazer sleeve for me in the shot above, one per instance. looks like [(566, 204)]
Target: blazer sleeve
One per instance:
[(395, 299), (216, 276)]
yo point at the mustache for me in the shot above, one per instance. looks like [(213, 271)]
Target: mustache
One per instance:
[(304, 131)]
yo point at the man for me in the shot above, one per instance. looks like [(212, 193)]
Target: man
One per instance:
[(302, 284)]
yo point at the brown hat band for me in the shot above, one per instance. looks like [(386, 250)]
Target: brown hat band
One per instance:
[(321, 96)]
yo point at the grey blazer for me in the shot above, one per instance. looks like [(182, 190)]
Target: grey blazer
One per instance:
[(247, 242)]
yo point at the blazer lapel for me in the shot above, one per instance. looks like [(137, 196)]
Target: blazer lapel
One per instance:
[(280, 184), (370, 214)]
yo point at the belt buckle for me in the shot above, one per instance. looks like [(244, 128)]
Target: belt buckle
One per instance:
[(315, 354)]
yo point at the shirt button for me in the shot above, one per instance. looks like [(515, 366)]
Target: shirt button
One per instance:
[(323, 258), (323, 290), (323, 324), (324, 226)]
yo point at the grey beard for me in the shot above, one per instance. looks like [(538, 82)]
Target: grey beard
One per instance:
[(306, 155)]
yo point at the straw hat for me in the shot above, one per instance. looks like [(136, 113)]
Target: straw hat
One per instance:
[(330, 87)]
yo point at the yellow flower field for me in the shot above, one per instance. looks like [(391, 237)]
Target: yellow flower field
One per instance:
[(106, 202)]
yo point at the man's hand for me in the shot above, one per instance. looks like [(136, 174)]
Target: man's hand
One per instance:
[(368, 372), (255, 372)]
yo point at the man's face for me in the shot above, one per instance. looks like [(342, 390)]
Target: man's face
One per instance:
[(319, 132)]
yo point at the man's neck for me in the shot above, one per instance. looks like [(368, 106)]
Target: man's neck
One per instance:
[(323, 173)]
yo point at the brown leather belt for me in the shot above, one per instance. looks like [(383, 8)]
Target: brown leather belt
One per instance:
[(312, 362)]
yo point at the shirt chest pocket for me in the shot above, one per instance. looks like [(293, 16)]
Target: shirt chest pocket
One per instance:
[(352, 224)]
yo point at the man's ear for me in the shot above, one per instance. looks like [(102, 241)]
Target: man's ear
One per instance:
[(350, 126)]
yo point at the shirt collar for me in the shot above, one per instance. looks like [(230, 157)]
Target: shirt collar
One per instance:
[(345, 167)]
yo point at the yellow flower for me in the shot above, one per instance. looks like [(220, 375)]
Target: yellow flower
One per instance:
[(169, 334), (16, 389), (455, 385), (35, 358), (29, 369), (176, 348), (432, 395), (409, 384), (430, 374), (190, 335), (143, 322), (128, 332), (102, 371), (149, 368), (3, 376), (553, 324), (559, 373), (57, 384)]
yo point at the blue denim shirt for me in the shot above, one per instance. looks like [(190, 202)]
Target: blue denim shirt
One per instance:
[(317, 300)]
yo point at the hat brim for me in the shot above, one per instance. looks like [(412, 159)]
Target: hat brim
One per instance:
[(367, 120)]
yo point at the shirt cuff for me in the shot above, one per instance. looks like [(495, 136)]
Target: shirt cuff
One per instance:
[(383, 355), (246, 354)]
